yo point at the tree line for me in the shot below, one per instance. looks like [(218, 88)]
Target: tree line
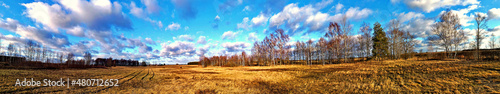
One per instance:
[(338, 45)]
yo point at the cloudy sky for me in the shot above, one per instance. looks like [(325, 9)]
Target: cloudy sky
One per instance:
[(178, 31)]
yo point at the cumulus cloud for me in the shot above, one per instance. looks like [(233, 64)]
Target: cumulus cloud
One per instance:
[(260, 20), (308, 17), (173, 26), (466, 19), (431, 5), (338, 7), (202, 40), (76, 31), (235, 46), (149, 41), (421, 27), (252, 37), (52, 16), (229, 35), (96, 15), (356, 14), (177, 48), (184, 37), (202, 50), (92, 19), (244, 24), (323, 3), (136, 11), (291, 15), (141, 13), (317, 21), (44, 37), (403, 17), (494, 13)]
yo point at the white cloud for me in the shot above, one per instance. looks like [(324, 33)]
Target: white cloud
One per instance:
[(136, 11), (291, 15), (52, 16), (323, 4), (150, 41), (177, 48), (140, 12), (252, 37), (495, 30), (431, 5), (403, 17), (296, 18), (357, 14), (50, 39), (421, 27), (76, 31), (260, 20), (247, 8), (229, 35), (202, 40), (338, 7), (202, 50), (462, 15), (235, 46), (317, 21), (494, 13), (217, 18), (184, 37), (96, 14), (5, 5), (244, 24), (173, 26)]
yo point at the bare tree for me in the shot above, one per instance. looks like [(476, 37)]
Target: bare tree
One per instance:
[(11, 49), (322, 47), (334, 36), (88, 57), (481, 24), (408, 44), (346, 39), (395, 38), (70, 56), (309, 51), (29, 50), (444, 30), (366, 39), (61, 57), (493, 39)]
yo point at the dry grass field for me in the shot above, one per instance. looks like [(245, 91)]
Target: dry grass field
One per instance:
[(364, 77)]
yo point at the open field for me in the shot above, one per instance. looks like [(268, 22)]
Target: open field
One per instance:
[(373, 77)]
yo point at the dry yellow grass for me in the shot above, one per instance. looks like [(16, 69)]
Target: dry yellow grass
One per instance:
[(365, 77)]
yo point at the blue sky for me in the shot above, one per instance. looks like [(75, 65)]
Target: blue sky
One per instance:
[(178, 31)]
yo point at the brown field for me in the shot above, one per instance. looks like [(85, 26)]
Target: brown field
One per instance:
[(364, 77)]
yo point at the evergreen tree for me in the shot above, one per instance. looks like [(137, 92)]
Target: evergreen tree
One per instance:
[(380, 43)]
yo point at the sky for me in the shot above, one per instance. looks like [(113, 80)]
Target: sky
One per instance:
[(180, 31)]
